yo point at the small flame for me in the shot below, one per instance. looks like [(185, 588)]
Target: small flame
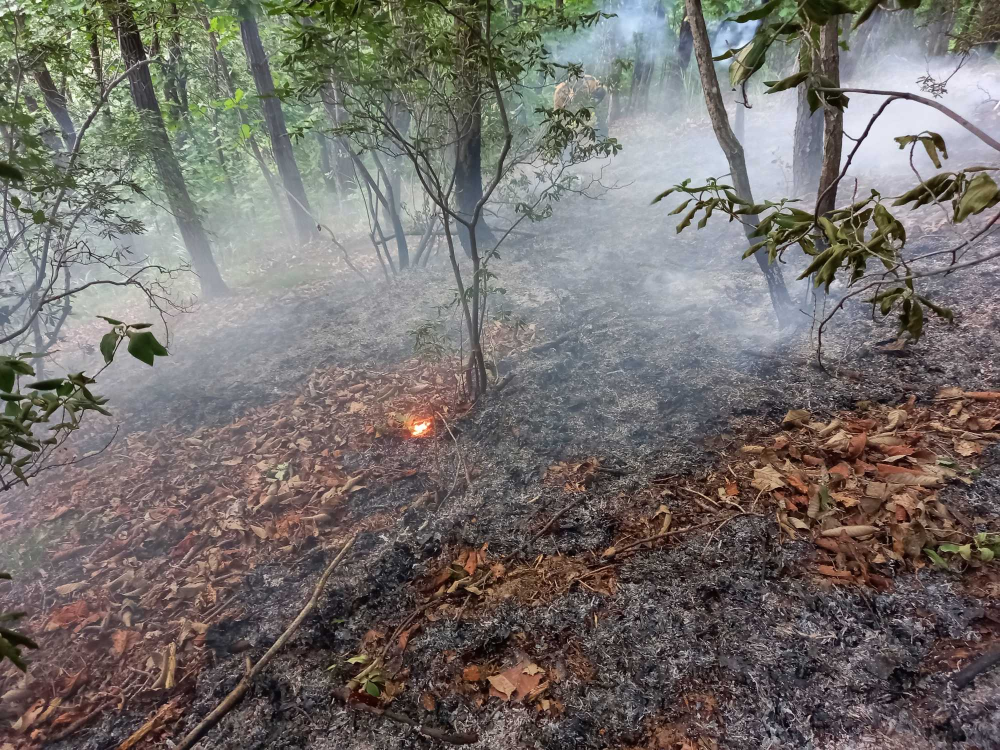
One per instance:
[(420, 428)]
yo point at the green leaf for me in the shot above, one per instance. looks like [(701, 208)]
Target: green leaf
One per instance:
[(938, 561), (144, 347), (245, 131), (112, 321), (821, 11), (38, 217), (661, 196), (108, 344), (749, 59), (9, 172), (359, 659), (7, 378), (866, 13), (985, 554), (756, 14), (139, 326), (47, 385), (372, 689), (982, 193), (680, 207), (786, 83)]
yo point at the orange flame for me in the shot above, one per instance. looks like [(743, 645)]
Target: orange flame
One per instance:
[(421, 428)]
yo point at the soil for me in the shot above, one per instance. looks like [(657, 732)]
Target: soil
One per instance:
[(667, 355)]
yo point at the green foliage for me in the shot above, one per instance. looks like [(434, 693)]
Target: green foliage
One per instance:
[(844, 242), (983, 548)]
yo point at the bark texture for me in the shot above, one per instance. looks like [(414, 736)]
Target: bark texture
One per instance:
[(281, 144), (172, 179), (734, 152), (807, 149)]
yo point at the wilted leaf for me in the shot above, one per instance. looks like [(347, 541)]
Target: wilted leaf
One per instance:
[(68, 588), (68, 615)]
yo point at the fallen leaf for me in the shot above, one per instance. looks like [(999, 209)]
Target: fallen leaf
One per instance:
[(767, 478), (968, 448), (797, 417), (68, 615), (852, 531), (122, 640), (501, 687), (856, 445), (232, 461), (428, 702), (832, 572), (68, 588), (472, 674)]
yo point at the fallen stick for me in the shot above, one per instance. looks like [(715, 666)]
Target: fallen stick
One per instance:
[(983, 395), (244, 685), (980, 665), (461, 738), (612, 553), (556, 517)]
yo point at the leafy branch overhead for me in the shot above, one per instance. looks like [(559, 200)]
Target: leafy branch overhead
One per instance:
[(39, 416)]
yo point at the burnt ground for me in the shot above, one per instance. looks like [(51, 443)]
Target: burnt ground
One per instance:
[(671, 352)]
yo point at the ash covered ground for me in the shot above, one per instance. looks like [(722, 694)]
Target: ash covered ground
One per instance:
[(667, 351)]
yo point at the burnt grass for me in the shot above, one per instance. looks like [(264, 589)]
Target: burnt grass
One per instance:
[(667, 353)]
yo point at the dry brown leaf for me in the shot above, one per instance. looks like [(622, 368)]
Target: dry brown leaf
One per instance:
[(501, 687), (232, 461), (69, 615), (856, 445), (472, 673), (852, 531), (767, 478), (968, 448), (122, 640), (69, 588), (428, 702), (796, 417)]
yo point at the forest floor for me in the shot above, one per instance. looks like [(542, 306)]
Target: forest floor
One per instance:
[(492, 581)]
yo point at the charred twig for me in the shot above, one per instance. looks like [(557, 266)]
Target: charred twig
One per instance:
[(452, 738), (613, 552), (79, 723), (244, 685), (557, 516), (987, 661), (503, 382)]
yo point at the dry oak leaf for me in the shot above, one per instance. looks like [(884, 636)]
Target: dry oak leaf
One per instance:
[(516, 682), (968, 448), (472, 673)]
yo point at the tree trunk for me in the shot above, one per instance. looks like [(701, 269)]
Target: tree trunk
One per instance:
[(144, 97), (734, 153), (55, 102), (343, 164), (678, 64), (468, 141), (175, 74), (326, 163), (807, 149), (939, 31), (833, 120), (281, 144)]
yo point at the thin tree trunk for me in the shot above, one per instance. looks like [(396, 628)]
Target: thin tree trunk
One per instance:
[(175, 75), (833, 120), (326, 163), (281, 144), (223, 67), (734, 153), (833, 135), (468, 142), (807, 149), (55, 102), (171, 177)]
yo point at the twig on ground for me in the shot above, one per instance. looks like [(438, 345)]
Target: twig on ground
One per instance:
[(613, 552), (468, 479), (972, 671), (80, 723), (452, 738), (244, 685), (503, 382), (711, 507), (557, 516)]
